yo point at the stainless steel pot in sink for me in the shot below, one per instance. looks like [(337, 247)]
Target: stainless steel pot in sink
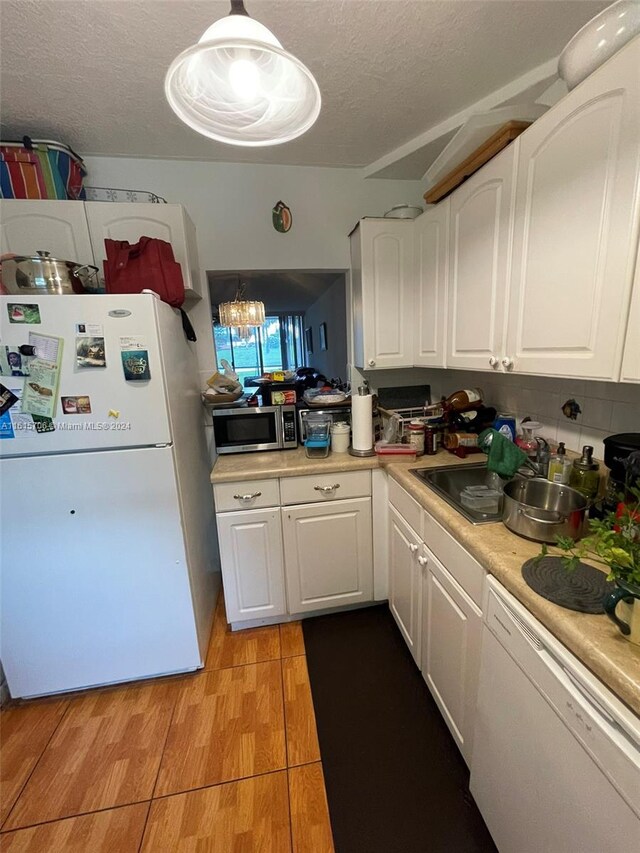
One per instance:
[(540, 510)]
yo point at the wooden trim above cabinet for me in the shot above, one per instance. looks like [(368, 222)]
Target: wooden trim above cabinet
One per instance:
[(485, 152)]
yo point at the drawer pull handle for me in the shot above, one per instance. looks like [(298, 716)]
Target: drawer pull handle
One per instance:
[(326, 490), (245, 498), (423, 561), (413, 548)]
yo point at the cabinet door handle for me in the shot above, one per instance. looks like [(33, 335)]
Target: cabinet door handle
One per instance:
[(413, 548), (507, 362), (493, 361), (327, 489), (245, 498), (372, 362), (423, 561)]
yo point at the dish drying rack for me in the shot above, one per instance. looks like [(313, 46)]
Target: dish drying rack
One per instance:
[(403, 416)]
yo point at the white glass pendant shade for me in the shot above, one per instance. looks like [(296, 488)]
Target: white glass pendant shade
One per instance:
[(238, 85)]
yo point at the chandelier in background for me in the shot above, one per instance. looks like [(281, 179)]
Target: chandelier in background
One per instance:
[(240, 86), (242, 314)]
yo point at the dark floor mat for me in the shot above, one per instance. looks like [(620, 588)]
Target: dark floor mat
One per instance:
[(395, 780)]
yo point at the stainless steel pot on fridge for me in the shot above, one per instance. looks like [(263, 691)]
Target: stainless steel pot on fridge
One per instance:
[(42, 274)]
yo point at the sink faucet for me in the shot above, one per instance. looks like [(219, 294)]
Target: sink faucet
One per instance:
[(539, 468)]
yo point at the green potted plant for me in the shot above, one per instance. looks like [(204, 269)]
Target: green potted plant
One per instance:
[(614, 542)]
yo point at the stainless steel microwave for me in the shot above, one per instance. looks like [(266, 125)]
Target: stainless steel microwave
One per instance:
[(255, 428)]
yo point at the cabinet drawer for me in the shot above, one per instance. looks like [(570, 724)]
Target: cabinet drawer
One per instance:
[(315, 488), (249, 494), (408, 508), (459, 563)]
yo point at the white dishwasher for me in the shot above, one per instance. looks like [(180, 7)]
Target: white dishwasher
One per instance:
[(556, 759)]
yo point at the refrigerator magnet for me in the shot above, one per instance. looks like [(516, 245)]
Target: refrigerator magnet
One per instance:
[(135, 364), (12, 362), (6, 426), (90, 352), (43, 424), (76, 405), (135, 358), (24, 312), (7, 399)]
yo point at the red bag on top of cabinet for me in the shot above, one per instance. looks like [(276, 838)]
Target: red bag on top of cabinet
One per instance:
[(148, 264)]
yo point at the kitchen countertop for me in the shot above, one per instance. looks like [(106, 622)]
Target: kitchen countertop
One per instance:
[(594, 640), (236, 467)]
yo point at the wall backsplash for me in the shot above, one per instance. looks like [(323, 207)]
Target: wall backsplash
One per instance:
[(606, 407)]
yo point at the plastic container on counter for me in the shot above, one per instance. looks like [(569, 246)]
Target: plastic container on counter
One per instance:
[(340, 437)]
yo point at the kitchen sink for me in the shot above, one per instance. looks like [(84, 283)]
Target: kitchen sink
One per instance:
[(450, 481)]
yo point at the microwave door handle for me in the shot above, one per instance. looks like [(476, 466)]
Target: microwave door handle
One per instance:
[(279, 428)]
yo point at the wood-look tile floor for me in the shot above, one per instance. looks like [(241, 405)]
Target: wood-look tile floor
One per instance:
[(224, 760)]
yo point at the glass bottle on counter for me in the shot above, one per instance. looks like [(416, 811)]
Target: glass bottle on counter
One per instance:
[(559, 466), (585, 474), (468, 398)]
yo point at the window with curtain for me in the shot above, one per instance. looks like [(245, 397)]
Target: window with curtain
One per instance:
[(276, 345)]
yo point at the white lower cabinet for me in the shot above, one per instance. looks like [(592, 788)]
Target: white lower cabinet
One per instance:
[(405, 588), (301, 556), (435, 605), (328, 554), (451, 633), (252, 564)]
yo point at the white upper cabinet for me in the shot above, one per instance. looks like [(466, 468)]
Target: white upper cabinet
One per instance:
[(431, 246), (631, 361), (382, 293), (58, 227), (479, 260), (169, 222), (575, 232)]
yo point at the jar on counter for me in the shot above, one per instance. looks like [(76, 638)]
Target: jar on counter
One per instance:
[(452, 440), (585, 474), (340, 433), (430, 439), (415, 436)]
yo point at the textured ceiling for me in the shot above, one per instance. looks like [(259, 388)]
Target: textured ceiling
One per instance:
[(91, 72)]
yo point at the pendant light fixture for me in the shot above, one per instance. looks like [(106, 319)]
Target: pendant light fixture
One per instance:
[(241, 314), (240, 86)]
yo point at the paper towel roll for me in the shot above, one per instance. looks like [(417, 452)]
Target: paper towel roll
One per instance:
[(361, 422)]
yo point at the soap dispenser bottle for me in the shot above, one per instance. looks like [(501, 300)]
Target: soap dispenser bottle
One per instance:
[(559, 466), (585, 474)]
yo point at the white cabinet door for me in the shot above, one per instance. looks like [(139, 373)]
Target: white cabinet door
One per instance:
[(631, 360), (382, 287), (576, 227), (58, 227), (451, 633), (431, 244), (405, 590), (328, 554), (479, 260), (252, 564), (169, 222)]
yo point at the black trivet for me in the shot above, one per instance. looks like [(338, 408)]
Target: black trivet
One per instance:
[(582, 589)]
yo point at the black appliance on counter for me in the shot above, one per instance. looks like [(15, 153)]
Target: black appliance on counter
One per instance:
[(622, 458)]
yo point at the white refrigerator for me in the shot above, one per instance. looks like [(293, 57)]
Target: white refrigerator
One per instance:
[(109, 565)]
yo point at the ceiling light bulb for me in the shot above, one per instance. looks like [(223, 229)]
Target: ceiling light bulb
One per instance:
[(240, 86), (245, 79)]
